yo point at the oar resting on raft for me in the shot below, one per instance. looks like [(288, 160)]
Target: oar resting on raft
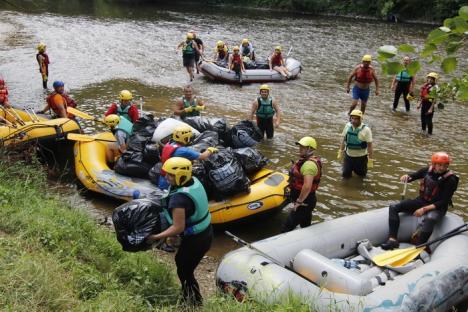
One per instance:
[(81, 114), (400, 257), (85, 138)]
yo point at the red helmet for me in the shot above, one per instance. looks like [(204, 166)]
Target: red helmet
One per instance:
[(440, 158)]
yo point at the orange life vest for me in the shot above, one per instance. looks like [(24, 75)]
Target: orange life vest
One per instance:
[(364, 75), (68, 102), (276, 59), (3, 95)]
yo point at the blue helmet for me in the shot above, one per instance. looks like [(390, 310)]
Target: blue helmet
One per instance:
[(58, 83)]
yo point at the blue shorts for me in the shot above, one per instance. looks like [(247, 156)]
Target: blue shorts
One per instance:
[(359, 93)]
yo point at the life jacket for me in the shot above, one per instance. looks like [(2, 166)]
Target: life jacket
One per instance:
[(296, 179), (201, 218), (222, 53), (429, 187), (364, 75), (246, 50), (125, 126), (276, 59), (168, 150), (192, 103), (3, 95), (236, 59), (46, 61), (425, 92), (188, 48), (403, 76), (352, 138), (68, 102), (123, 112), (265, 108)]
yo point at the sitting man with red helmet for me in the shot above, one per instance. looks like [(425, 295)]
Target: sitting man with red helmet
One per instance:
[(437, 186)]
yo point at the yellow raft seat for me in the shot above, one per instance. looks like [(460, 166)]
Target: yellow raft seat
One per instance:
[(27, 128), (267, 191)]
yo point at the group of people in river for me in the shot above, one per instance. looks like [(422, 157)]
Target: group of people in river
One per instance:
[(187, 211)]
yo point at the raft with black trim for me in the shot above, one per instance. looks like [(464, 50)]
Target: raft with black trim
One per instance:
[(27, 127), (267, 191), (310, 264), (218, 73)]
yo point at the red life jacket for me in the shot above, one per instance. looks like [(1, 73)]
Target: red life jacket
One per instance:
[(236, 59), (429, 187), (3, 95), (364, 75), (46, 60), (425, 90), (67, 100), (296, 179), (276, 59), (168, 150)]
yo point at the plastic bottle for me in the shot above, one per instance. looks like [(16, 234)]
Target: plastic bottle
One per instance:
[(349, 264)]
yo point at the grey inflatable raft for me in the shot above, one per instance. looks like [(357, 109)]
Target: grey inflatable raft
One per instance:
[(219, 73), (435, 284)]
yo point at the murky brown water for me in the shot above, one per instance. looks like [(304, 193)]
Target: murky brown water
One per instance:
[(99, 51)]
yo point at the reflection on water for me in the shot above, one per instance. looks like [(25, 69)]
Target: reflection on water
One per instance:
[(101, 50)]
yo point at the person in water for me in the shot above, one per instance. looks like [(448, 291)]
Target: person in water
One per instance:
[(436, 188), (403, 83), (304, 179), (428, 94), (58, 101), (267, 112), (201, 49), (189, 52), (189, 105), (43, 61), (363, 75), (276, 62), (188, 215), (125, 108), (236, 64), (4, 94)]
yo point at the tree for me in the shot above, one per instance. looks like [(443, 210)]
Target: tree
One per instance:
[(444, 45)]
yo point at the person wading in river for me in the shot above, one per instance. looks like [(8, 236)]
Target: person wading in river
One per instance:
[(436, 189), (4, 94), (43, 61), (267, 112), (189, 105), (188, 215), (428, 95), (189, 52), (236, 64), (363, 75), (357, 146), (201, 49), (304, 180), (403, 83)]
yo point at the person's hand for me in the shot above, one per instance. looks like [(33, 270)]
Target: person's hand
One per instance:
[(339, 155), (430, 111), (276, 123), (405, 178), (370, 163), (418, 107), (199, 107), (419, 212), (377, 92), (188, 109), (296, 205), (347, 89), (212, 150)]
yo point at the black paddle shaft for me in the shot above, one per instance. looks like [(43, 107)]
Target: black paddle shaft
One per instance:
[(453, 232)]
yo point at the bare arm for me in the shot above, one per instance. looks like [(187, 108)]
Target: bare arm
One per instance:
[(178, 226), (376, 80), (370, 150), (253, 109), (230, 62), (394, 82), (179, 108), (350, 78), (306, 187), (277, 112), (269, 62)]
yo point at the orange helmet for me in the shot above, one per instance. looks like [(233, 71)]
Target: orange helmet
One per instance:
[(440, 158)]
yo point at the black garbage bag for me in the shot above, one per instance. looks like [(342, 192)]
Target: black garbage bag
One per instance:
[(136, 220), (245, 134), (250, 159), (203, 124), (137, 142), (143, 130), (131, 164), (198, 171), (225, 174), (205, 140), (151, 153), (155, 173)]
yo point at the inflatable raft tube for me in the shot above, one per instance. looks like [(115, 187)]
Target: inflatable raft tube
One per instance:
[(218, 73), (267, 192)]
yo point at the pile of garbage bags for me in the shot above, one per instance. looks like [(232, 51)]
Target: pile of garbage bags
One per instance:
[(223, 174)]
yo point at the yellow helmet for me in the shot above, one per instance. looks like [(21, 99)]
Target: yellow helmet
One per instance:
[(220, 44), (367, 58), (41, 47), (180, 167), (265, 87), (112, 120), (307, 142), (433, 75), (182, 134), (189, 35), (278, 48), (245, 41), (236, 48), (357, 113), (125, 95)]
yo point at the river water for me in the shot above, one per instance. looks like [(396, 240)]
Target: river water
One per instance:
[(99, 49)]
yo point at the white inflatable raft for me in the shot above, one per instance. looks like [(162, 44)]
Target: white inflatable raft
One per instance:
[(307, 271), (219, 73)]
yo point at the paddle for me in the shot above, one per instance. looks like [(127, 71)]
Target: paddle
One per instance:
[(85, 138), (80, 114), (404, 190), (399, 257)]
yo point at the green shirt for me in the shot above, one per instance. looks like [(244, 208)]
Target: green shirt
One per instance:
[(309, 168)]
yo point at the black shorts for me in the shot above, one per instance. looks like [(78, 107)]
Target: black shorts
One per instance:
[(188, 60)]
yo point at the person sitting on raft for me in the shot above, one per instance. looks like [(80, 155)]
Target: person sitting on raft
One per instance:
[(276, 62), (235, 63), (126, 108), (58, 101), (122, 129), (247, 50), (221, 53)]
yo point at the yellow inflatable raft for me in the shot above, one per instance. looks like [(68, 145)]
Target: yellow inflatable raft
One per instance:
[(267, 191), (26, 127)]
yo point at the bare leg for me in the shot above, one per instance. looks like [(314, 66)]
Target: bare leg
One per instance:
[(353, 106), (363, 106)]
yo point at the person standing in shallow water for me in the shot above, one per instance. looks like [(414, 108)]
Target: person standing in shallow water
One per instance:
[(267, 112), (43, 61), (403, 83), (189, 52), (428, 94)]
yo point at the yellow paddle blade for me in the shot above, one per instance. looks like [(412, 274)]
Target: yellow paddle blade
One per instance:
[(84, 138), (79, 113), (396, 256), (408, 258)]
